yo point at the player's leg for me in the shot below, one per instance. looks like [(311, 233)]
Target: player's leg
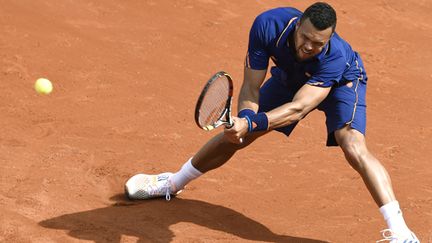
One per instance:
[(219, 150), (374, 175), (216, 152), (377, 180), (345, 109)]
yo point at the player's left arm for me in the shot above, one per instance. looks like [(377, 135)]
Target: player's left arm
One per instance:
[(305, 100), (309, 96)]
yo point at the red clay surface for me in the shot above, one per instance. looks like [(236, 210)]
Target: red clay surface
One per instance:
[(126, 76)]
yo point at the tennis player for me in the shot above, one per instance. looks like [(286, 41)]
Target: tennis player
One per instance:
[(314, 69)]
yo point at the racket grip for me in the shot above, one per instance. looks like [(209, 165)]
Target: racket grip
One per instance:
[(229, 124)]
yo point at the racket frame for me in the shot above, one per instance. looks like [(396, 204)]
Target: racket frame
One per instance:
[(225, 118)]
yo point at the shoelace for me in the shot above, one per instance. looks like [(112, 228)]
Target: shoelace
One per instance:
[(161, 190), (167, 193)]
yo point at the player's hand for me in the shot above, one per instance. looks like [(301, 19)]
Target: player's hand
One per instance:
[(236, 133)]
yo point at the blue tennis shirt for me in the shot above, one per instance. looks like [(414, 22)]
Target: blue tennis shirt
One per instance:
[(268, 39)]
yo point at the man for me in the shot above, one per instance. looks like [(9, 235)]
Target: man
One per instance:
[(315, 68)]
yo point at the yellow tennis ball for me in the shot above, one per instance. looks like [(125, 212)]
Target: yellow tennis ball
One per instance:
[(43, 86)]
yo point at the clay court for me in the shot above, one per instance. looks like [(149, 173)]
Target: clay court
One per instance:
[(126, 77)]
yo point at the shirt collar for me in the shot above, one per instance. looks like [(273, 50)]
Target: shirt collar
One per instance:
[(283, 38)]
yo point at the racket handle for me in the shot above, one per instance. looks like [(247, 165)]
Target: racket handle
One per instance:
[(229, 124)]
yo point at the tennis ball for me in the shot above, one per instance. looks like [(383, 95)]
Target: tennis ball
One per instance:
[(43, 86)]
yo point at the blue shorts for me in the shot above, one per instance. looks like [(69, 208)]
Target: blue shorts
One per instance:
[(345, 104)]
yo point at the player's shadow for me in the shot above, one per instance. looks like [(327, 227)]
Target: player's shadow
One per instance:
[(150, 221)]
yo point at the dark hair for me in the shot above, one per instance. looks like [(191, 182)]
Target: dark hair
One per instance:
[(321, 15)]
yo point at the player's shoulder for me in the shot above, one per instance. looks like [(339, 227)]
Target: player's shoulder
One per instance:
[(271, 23), (282, 14), (338, 48)]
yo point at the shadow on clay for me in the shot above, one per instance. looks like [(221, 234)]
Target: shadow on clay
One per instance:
[(150, 221)]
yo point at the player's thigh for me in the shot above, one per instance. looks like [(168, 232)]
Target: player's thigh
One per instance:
[(345, 106), (350, 139)]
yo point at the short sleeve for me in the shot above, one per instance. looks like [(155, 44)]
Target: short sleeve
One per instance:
[(257, 56)]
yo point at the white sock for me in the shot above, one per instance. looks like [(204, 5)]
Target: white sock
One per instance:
[(186, 174), (393, 216)]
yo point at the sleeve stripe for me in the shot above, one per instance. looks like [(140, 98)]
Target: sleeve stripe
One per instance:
[(247, 62), (291, 20)]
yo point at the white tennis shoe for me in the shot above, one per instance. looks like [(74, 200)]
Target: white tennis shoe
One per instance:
[(392, 237), (143, 186)]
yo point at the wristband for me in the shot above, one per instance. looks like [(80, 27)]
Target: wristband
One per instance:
[(245, 113), (249, 123), (257, 122)]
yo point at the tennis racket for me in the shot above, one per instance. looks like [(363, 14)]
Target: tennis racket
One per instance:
[(213, 108)]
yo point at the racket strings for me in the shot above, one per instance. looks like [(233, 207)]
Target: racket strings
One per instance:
[(214, 102)]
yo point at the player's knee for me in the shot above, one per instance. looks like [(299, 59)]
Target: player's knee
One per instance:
[(246, 141), (356, 157), (354, 147), (354, 152), (250, 138), (235, 145)]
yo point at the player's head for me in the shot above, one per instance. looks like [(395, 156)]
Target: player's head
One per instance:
[(314, 30)]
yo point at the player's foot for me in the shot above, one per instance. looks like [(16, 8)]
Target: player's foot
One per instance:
[(392, 237), (142, 186)]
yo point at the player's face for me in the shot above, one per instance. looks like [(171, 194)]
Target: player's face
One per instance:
[(308, 40)]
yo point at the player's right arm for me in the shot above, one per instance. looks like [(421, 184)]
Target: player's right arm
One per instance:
[(248, 100), (256, 63), (249, 92)]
